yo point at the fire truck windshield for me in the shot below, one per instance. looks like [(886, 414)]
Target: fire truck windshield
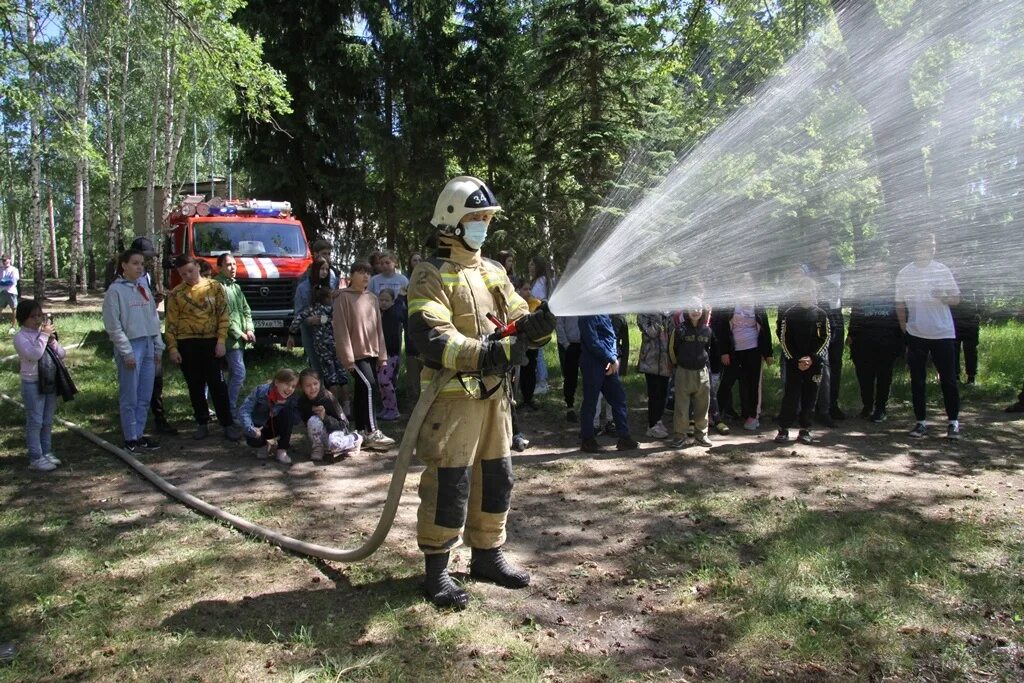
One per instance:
[(249, 238)]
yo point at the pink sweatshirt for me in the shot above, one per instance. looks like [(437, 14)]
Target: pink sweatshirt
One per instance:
[(30, 345), (358, 331)]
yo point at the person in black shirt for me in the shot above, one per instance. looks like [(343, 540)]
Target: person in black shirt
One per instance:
[(875, 342), (804, 335), (967, 323)]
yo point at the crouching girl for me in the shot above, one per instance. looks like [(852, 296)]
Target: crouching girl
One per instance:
[(268, 415), (328, 429)]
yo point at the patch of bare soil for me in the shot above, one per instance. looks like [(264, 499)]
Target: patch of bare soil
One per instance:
[(56, 298), (581, 523)]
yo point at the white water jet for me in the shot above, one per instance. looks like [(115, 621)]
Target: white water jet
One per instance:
[(870, 137)]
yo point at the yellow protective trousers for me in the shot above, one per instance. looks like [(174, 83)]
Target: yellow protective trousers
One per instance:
[(466, 488)]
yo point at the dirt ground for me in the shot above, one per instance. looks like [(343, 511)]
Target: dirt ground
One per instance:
[(586, 525), (581, 523)]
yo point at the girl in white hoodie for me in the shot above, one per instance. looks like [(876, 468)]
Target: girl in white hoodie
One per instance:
[(132, 323)]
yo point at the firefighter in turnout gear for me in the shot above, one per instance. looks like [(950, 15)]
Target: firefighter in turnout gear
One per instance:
[(466, 489)]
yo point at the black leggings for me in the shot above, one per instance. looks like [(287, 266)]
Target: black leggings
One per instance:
[(156, 403), (365, 380), (657, 397), (569, 357), (801, 388), (278, 427), (201, 368), (968, 339), (745, 367), (943, 353), (873, 362), (528, 376)]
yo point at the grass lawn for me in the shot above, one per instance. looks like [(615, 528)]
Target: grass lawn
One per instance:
[(867, 557)]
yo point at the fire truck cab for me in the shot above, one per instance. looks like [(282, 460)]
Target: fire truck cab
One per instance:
[(269, 245)]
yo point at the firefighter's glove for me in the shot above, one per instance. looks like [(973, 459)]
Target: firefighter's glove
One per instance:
[(537, 326), (501, 355)]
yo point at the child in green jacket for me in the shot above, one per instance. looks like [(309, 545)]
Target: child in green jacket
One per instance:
[(240, 328)]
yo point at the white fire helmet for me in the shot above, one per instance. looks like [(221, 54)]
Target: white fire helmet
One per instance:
[(463, 194)]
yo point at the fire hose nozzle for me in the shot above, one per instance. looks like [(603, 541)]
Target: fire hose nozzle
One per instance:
[(503, 330)]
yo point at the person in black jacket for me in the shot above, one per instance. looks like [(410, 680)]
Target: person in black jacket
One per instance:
[(967, 323), (804, 335), (744, 341), (875, 342), (694, 353)]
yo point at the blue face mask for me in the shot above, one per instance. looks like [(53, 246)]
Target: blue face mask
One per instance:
[(476, 233)]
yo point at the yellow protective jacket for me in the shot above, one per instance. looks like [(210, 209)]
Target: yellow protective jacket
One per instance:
[(199, 311), (449, 299)]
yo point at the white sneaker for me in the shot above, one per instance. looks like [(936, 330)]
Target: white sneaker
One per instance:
[(751, 424), (658, 431), (42, 465), (377, 441), (282, 457), (52, 458), (541, 389)]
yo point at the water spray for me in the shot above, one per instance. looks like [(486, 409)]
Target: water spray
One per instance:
[(878, 131)]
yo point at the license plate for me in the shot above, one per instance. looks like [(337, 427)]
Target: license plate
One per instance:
[(268, 323)]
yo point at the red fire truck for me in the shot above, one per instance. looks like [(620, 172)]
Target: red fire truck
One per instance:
[(268, 243)]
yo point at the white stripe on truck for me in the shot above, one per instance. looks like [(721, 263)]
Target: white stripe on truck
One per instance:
[(251, 269), (270, 268)]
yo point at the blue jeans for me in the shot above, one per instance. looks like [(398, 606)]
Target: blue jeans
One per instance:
[(135, 387), (39, 410), (595, 383), (308, 348), (236, 378)]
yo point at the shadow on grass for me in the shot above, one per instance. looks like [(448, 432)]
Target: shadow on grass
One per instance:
[(811, 594)]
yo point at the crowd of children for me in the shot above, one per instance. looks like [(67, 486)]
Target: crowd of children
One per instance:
[(692, 360)]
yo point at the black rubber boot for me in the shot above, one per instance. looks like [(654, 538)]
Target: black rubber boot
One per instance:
[(440, 588), (491, 565)]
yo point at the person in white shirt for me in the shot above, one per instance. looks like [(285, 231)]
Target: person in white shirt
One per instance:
[(925, 289), (9, 277)]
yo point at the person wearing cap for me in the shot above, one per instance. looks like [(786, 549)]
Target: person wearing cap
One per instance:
[(465, 440), (114, 271), (9, 277)]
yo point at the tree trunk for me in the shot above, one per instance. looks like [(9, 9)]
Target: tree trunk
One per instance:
[(390, 193), (120, 148), (174, 124), (35, 153), (112, 198), (89, 265), (889, 106), (540, 133), (154, 144), (54, 266), (78, 229)]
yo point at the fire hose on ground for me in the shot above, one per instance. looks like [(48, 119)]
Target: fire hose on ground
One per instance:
[(295, 545)]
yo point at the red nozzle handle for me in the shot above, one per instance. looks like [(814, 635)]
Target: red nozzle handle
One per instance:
[(509, 330)]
